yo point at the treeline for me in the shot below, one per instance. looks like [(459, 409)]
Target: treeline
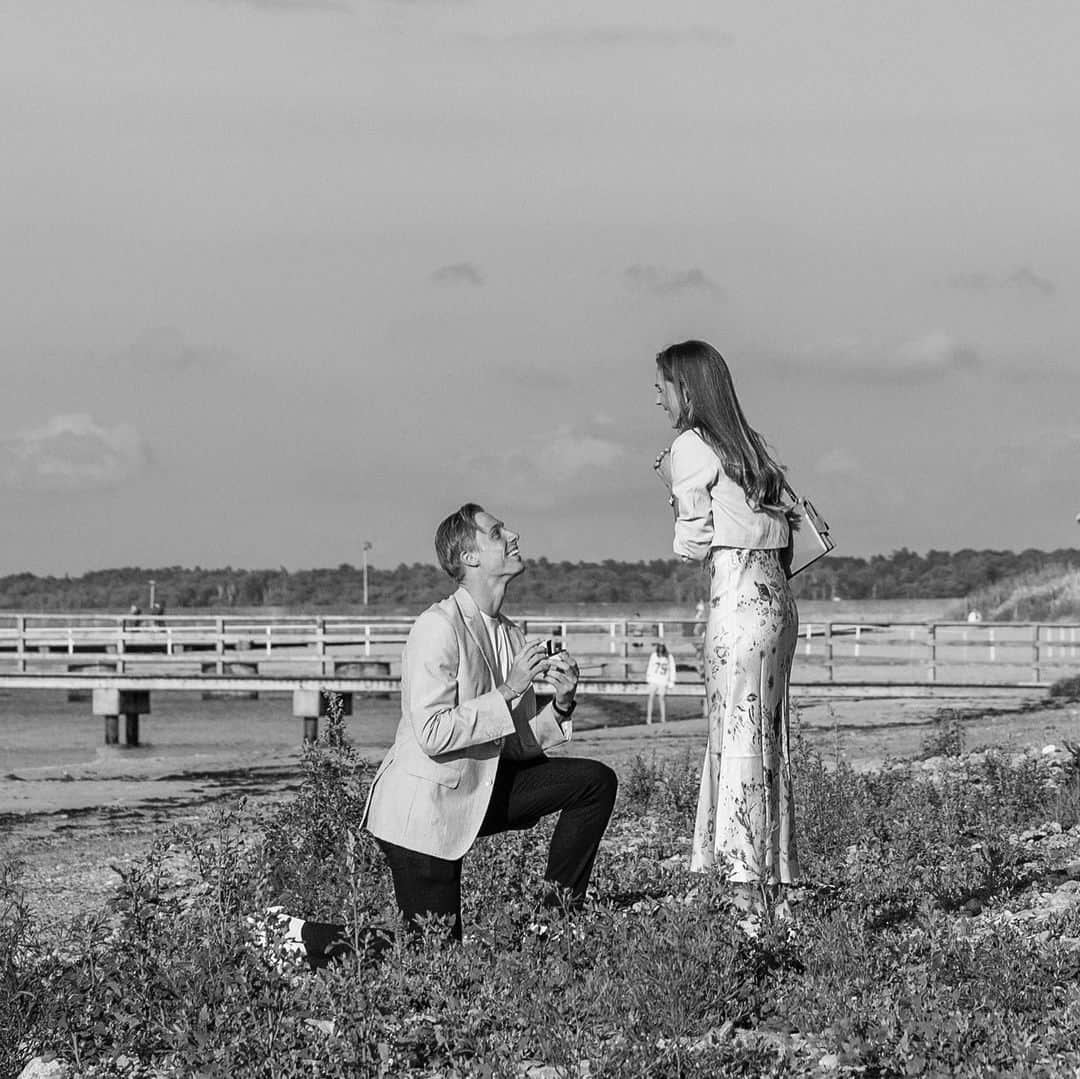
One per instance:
[(900, 575)]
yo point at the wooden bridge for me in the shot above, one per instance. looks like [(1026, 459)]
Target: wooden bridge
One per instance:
[(120, 659)]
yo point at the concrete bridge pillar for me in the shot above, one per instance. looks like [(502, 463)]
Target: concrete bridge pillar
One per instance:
[(114, 703), (310, 704)]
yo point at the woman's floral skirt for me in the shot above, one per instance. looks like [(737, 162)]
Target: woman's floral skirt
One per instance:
[(746, 811)]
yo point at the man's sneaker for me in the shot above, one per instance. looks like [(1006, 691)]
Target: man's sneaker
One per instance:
[(750, 926), (278, 936), (319, 943)]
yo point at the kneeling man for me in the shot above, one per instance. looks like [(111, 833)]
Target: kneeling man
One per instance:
[(468, 759)]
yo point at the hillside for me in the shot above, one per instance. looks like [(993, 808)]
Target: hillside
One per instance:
[(1051, 594)]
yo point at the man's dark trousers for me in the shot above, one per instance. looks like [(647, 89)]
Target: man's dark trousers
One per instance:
[(583, 793)]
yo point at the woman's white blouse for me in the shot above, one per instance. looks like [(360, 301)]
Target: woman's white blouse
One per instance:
[(711, 509)]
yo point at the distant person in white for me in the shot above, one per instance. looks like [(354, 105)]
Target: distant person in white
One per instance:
[(660, 677)]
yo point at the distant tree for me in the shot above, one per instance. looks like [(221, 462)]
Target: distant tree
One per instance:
[(903, 574)]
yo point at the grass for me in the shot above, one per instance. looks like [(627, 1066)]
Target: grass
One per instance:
[(883, 972), (1051, 594)]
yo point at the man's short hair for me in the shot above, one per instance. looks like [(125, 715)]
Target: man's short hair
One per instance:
[(455, 536)]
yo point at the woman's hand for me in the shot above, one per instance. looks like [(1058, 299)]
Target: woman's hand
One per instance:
[(662, 467)]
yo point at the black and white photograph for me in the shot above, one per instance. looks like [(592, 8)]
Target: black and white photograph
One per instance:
[(539, 541)]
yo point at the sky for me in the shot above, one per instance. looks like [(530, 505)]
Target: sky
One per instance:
[(282, 277)]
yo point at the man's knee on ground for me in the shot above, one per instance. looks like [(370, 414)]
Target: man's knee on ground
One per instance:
[(605, 781)]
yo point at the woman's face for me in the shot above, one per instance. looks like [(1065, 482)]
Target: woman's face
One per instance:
[(667, 397)]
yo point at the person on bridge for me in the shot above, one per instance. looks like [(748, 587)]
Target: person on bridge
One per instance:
[(469, 756), (726, 492)]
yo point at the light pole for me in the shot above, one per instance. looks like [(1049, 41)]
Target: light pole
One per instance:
[(364, 551)]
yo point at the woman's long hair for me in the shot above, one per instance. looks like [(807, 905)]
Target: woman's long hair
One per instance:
[(708, 404)]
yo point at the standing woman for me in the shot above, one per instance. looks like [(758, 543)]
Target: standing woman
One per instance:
[(726, 492)]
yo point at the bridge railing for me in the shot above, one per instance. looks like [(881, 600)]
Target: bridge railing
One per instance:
[(182, 641), (836, 652)]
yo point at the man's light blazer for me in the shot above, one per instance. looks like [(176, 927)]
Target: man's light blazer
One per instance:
[(432, 789)]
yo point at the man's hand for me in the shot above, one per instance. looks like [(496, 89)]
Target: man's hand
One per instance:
[(529, 664), (562, 676)]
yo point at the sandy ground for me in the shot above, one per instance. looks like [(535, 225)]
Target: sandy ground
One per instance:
[(72, 832)]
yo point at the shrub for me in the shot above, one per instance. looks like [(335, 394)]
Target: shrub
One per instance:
[(1066, 689), (21, 961), (668, 787), (653, 977), (947, 737)]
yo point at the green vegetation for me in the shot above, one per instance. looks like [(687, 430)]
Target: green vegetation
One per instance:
[(1066, 689), (1049, 594), (901, 575), (899, 959)]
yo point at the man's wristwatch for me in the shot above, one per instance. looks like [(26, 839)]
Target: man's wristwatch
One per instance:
[(563, 713)]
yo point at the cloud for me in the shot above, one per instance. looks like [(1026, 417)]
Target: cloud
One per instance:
[(459, 273), (975, 282), (933, 353), (658, 281), (567, 455), (616, 36), (929, 357), (163, 348), (72, 453), (279, 6), (1024, 279), (527, 376), (542, 471)]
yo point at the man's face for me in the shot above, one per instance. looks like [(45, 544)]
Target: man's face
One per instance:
[(497, 547)]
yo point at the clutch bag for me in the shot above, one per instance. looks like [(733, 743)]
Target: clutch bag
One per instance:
[(811, 540)]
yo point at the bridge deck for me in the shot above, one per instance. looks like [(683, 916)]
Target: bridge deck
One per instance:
[(331, 684)]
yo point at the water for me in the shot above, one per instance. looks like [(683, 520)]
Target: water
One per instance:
[(43, 734), (810, 610)]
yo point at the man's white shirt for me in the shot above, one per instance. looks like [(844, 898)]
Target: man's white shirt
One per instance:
[(500, 646)]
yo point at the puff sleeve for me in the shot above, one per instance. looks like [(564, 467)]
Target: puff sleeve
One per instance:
[(694, 472)]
